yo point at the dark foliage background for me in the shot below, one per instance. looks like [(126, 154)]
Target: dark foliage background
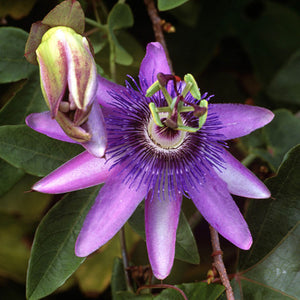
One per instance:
[(245, 51)]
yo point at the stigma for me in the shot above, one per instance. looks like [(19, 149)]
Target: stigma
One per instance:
[(178, 104)]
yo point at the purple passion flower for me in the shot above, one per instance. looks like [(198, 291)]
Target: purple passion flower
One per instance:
[(160, 164)]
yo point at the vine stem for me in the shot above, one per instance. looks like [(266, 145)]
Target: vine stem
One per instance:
[(218, 262), (156, 24), (125, 258)]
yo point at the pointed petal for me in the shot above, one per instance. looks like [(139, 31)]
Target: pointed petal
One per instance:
[(104, 87), (81, 172), (82, 72), (240, 181), (43, 123), (219, 209), (155, 61), (53, 69), (161, 221), (114, 205), (239, 119), (96, 127)]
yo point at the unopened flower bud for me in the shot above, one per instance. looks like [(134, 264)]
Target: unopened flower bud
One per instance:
[(67, 69)]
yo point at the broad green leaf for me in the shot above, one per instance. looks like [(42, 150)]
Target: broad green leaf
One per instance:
[(285, 87), (28, 100), (36, 33), (17, 9), (53, 259), (186, 247), (13, 65), (15, 247), (68, 13), (27, 206), (270, 220), (120, 17), (268, 41), (94, 275), (275, 139), (33, 152), (122, 56), (277, 275), (193, 291), (118, 281), (169, 4), (98, 40), (9, 176)]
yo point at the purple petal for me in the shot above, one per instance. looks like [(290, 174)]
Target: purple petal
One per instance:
[(104, 86), (240, 181), (82, 171), (96, 126), (239, 119), (113, 206), (161, 221), (43, 123), (218, 208), (155, 61)]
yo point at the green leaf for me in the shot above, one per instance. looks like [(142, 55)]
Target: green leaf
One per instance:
[(9, 176), (169, 4), (271, 220), (285, 87), (279, 136), (276, 276), (13, 65), (118, 281), (28, 100), (36, 33), (269, 51), (53, 259), (122, 56), (33, 152), (120, 17), (186, 247), (193, 291), (68, 13), (95, 273)]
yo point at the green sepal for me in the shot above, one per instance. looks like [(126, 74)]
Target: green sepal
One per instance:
[(74, 132)]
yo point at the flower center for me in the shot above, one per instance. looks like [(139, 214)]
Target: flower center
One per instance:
[(165, 137), (179, 104)]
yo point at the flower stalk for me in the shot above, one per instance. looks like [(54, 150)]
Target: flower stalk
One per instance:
[(218, 262)]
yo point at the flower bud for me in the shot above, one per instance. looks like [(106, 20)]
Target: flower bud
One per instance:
[(67, 68), (68, 76)]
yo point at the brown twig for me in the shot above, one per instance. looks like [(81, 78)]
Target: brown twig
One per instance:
[(157, 28), (218, 262)]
